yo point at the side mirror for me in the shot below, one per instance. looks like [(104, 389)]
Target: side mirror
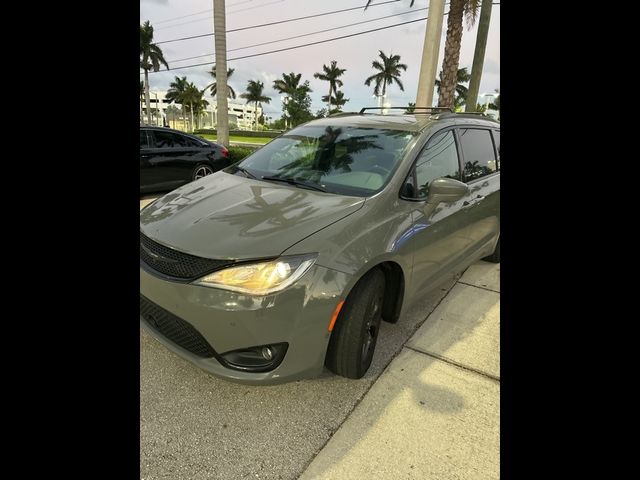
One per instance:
[(446, 190)]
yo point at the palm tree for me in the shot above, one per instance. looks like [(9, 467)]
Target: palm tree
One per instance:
[(176, 94), (254, 94), (192, 97), (457, 10), (150, 57), (288, 86), (214, 87), (388, 73), (338, 100), (220, 43), (463, 76), (331, 74)]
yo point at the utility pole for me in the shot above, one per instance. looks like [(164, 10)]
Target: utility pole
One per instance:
[(478, 56), (220, 39), (430, 50)]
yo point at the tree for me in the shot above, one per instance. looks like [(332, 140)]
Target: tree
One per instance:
[(193, 98), (478, 54), (150, 57), (141, 99), (288, 86), (463, 76), (321, 113), (495, 105), (214, 87), (172, 113), (220, 40), (338, 100), (458, 9), (176, 93), (331, 74), (254, 94), (298, 107), (388, 73), (411, 107)]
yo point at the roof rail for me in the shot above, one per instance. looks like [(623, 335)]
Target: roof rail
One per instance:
[(434, 109), (342, 114)]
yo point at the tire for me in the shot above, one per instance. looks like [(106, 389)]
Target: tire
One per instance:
[(201, 170), (353, 340), (495, 256)]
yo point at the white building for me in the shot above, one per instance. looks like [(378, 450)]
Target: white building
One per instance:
[(241, 114)]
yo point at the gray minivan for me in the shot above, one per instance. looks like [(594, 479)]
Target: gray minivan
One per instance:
[(288, 260)]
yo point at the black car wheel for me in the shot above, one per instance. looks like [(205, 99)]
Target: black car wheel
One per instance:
[(201, 171), (354, 336)]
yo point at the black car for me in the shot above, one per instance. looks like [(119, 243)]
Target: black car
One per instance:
[(169, 158)]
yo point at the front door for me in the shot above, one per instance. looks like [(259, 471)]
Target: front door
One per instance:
[(440, 237)]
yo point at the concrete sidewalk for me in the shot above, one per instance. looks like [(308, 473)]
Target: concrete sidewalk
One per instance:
[(435, 411)]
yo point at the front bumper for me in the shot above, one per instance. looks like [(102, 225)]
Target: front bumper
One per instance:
[(298, 316)]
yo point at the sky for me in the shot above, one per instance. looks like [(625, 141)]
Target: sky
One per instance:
[(355, 53)]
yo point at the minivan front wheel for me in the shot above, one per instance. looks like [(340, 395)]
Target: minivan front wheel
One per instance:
[(355, 334), (201, 171)]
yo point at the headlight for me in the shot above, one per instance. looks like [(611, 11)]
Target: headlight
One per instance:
[(260, 278)]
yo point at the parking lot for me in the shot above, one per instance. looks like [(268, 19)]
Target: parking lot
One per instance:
[(196, 426)]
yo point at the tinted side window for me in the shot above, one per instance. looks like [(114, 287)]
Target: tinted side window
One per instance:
[(144, 141), (439, 159), (479, 156), (169, 139), (192, 142)]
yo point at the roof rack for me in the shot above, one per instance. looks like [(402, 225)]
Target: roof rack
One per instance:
[(434, 109)]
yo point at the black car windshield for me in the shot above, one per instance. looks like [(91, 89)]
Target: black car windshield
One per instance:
[(342, 160)]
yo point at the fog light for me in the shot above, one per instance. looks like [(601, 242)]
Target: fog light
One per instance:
[(255, 359)]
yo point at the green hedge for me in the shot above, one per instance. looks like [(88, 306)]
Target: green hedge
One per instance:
[(240, 133), (238, 153)]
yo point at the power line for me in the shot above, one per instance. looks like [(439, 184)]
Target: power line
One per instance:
[(303, 35), (210, 17), (197, 13), (278, 22), (299, 46)]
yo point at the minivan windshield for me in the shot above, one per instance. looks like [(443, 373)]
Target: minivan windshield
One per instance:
[(342, 160)]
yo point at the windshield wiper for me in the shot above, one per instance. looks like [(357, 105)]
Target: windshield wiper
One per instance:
[(246, 172), (293, 181)]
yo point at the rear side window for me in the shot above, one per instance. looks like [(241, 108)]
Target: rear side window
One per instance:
[(439, 159), (169, 140), (144, 141), (478, 153)]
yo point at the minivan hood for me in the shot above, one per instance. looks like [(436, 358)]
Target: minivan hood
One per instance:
[(226, 216)]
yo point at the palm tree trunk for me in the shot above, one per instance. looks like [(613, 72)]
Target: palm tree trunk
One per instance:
[(256, 114), (191, 111), (330, 89), (384, 92), (451, 54), (220, 40), (430, 49), (146, 95), (478, 56)]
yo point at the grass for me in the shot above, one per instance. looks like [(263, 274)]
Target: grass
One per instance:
[(236, 138)]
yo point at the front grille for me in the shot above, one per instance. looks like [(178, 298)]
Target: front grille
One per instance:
[(176, 264), (175, 329)]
